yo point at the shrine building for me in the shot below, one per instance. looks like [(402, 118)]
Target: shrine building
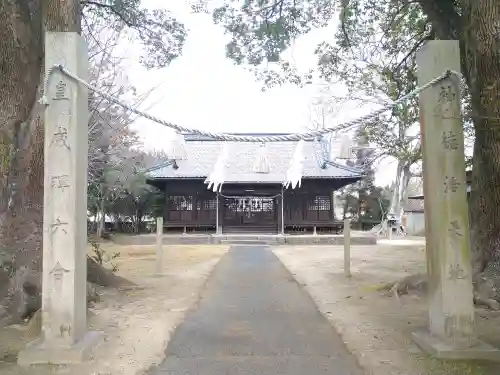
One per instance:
[(252, 197)]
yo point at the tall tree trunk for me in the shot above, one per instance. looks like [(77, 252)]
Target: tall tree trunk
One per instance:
[(21, 142), (21, 186), (346, 206), (94, 224), (482, 48), (22, 138), (405, 181), (116, 223), (138, 221), (21, 131), (395, 207), (101, 226)]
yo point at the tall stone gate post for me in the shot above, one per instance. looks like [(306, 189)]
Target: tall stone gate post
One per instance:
[(451, 308), (64, 337)]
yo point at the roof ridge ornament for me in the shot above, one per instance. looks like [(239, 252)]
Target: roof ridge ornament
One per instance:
[(176, 149), (295, 169), (261, 163), (342, 147)]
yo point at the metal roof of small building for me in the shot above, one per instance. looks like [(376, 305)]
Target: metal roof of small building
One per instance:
[(202, 154)]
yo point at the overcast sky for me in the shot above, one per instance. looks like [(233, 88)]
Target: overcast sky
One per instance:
[(204, 90)]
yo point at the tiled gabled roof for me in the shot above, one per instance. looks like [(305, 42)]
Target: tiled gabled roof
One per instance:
[(202, 155)]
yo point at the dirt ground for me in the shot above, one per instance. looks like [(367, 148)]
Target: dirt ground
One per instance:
[(376, 328), (137, 323)]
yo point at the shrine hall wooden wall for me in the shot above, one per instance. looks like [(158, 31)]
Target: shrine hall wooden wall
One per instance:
[(188, 203)]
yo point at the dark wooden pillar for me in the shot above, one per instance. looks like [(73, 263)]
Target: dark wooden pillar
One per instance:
[(196, 215), (165, 208), (281, 212), (332, 204)]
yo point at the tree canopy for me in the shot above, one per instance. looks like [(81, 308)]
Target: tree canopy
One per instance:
[(158, 31)]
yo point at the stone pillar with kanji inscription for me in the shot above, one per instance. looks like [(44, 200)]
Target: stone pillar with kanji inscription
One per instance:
[(64, 337), (450, 291)]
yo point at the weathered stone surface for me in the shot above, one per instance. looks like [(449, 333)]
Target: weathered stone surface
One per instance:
[(455, 350), (449, 272), (64, 337)]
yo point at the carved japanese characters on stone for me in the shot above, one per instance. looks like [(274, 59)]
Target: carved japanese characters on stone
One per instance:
[(455, 233), (449, 140), (57, 274), (446, 99), (63, 329), (61, 91), (456, 272), (447, 94), (60, 138), (58, 271), (454, 229), (60, 182), (451, 184), (58, 224)]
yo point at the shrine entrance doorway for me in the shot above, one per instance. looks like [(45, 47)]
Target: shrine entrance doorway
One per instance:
[(250, 214)]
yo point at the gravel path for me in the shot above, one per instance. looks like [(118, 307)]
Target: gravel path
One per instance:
[(254, 319)]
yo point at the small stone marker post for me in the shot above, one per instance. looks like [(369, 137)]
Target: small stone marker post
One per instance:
[(217, 204), (159, 245), (347, 248), (64, 337), (451, 310)]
